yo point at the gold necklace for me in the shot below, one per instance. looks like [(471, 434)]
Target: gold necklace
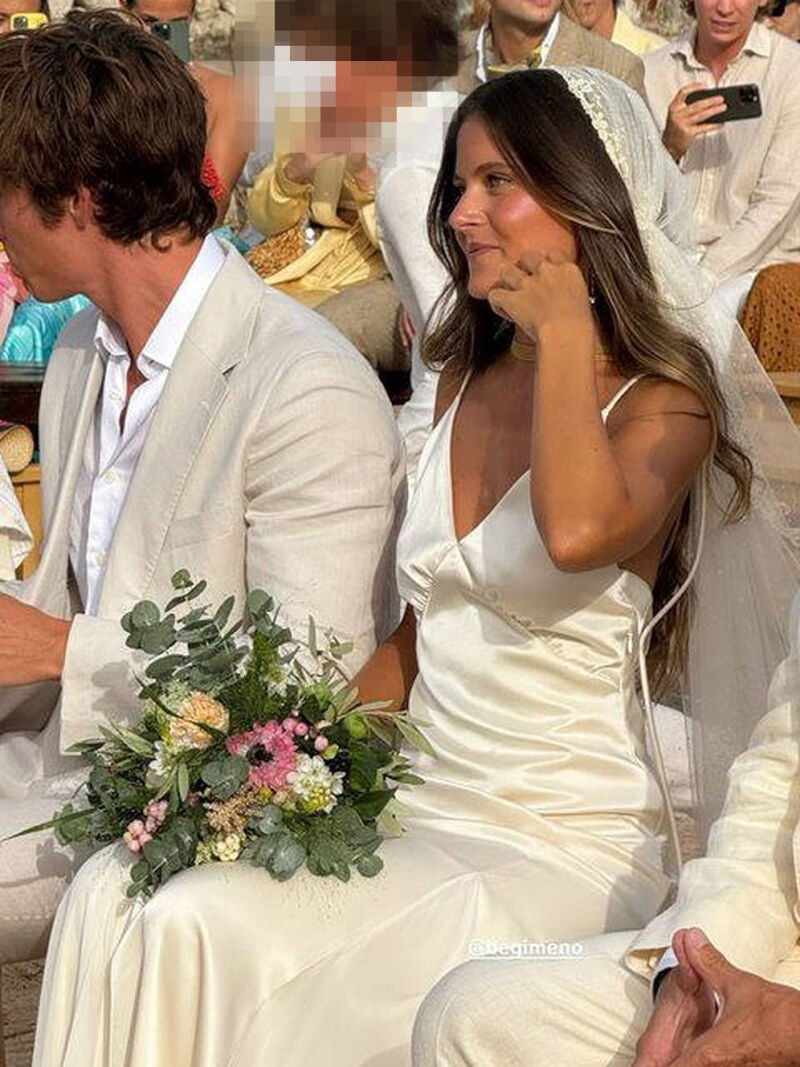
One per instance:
[(524, 349)]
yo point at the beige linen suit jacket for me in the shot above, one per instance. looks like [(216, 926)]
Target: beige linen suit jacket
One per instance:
[(744, 892), (573, 46), (272, 460)]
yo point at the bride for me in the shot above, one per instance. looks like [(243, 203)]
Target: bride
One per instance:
[(560, 508)]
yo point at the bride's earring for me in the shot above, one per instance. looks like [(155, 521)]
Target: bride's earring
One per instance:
[(592, 283)]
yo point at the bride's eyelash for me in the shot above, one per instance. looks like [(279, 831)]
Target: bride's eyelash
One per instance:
[(494, 181)]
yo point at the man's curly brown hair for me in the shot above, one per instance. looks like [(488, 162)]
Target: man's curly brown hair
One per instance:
[(97, 103)]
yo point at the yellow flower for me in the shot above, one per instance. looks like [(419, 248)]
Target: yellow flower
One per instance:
[(197, 708), (227, 848)]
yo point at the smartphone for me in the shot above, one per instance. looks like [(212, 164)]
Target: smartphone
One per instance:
[(28, 20), (744, 102), (174, 33)]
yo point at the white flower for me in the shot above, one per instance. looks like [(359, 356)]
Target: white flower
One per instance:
[(227, 847), (315, 785), (160, 768)]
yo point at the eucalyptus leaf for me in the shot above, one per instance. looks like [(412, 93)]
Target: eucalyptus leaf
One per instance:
[(145, 614), (181, 579), (163, 667), (197, 590), (369, 866), (225, 776), (223, 612), (288, 856), (259, 602)]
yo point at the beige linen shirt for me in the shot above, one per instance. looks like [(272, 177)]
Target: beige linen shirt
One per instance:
[(744, 178)]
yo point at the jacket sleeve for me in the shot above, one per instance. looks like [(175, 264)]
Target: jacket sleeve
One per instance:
[(743, 892)]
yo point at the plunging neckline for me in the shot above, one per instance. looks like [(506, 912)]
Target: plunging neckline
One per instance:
[(450, 415)]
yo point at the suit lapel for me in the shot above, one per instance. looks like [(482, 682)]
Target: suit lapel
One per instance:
[(562, 51), (216, 341)]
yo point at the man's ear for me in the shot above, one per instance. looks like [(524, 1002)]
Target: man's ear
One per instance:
[(81, 208)]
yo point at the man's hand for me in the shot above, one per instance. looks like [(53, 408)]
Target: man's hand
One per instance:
[(32, 645), (758, 1022), (685, 121), (684, 1010)]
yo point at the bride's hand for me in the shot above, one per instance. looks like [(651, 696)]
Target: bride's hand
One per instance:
[(544, 291)]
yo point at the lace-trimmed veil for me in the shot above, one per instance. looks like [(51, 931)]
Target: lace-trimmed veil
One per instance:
[(746, 574)]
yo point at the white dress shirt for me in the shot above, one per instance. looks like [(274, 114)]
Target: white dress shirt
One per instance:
[(743, 178), (111, 454)]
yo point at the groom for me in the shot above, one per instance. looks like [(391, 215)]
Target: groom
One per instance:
[(193, 418)]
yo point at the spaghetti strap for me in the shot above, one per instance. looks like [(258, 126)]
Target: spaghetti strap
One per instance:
[(620, 393)]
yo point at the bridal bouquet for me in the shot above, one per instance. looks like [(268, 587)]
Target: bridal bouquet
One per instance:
[(241, 752)]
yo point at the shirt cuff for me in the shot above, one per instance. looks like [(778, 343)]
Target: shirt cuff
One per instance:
[(667, 962), (663, 967)]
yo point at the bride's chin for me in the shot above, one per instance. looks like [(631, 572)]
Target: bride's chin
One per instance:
[(478, 290)]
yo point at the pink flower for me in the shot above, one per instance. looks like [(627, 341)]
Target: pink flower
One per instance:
[(136, 836), (155, 813), (321, 743), (301, 729), (271, 752)]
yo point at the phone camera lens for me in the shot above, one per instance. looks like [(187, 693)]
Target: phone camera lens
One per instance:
[(162, 30), (749, 94), (22, 22)]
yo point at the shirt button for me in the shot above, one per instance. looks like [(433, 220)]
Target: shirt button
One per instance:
[(110, 476), (101, 559)]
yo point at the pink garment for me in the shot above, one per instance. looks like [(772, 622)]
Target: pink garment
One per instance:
[(12, 292)]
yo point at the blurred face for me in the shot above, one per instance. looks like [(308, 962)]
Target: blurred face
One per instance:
[(496, 218), (366, 93), (590, 11), (724, 24), (526, 14), (15, 7)]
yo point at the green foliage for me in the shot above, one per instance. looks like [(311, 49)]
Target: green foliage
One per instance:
[(226, 776), (180, 797)]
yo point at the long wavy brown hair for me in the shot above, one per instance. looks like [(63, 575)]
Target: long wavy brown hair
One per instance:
[(549, 142)]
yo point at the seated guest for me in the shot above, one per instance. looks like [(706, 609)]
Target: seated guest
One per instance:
[(527, 33), (610, 19), (742, 176), (771, 317), (227, 143), (318, 212), (9, 8), (192, 418)]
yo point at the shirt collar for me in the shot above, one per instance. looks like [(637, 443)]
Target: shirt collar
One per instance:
[(758, 43), (163, 343), (486, 55)]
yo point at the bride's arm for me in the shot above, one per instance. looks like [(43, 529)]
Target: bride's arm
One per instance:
[(390, 672), (599, 495)]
